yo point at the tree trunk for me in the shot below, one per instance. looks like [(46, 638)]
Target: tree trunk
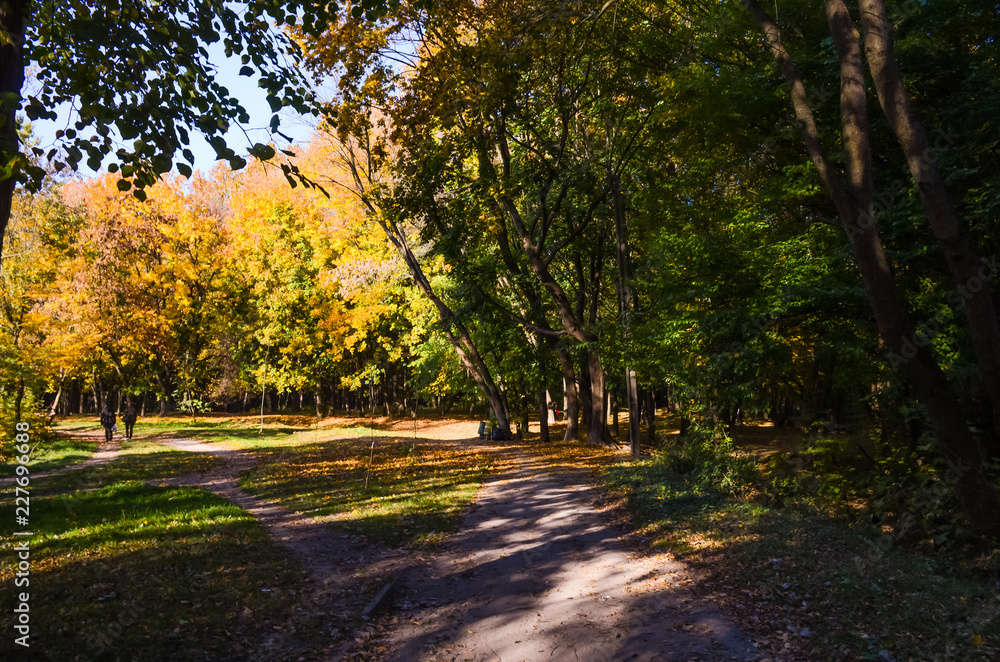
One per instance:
[(614, 407), (571, 395), (543, 410), (11, 81), (625, 308), (651, 417), (968, 271), (585, 393), (454, 330), (95, 386), (318, 399), (55, 401), (163, 381), (597, 429), (18, 399), (855, 206)]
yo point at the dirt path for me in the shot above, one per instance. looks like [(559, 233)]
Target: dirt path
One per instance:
[(330, 558), (535, 573), (106, 452)]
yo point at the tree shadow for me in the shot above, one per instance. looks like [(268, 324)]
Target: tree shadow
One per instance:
[(536, 573)]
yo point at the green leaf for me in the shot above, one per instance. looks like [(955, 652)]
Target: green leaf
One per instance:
[(262, 151)]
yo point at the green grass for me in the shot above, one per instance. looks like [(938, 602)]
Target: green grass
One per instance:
[(52, 454), (812, 585), (134, 572), (138, 459), (238, 432), (414, 493)]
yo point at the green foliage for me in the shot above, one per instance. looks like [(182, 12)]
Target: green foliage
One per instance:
[(707, 459), (140, 80)]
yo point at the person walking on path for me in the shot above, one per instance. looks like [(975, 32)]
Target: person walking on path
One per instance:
[(108, 421), (128, 418)]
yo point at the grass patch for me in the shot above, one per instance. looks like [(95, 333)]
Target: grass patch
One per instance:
[(52, 453), (812, 586), (138, 459), (240, 432), (414, 493), (132, 572)]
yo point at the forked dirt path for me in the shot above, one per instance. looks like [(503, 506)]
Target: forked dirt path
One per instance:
[(536, 573), (533, 573), (329, 557)]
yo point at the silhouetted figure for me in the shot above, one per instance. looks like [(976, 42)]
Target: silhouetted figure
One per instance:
[(128, 418), (108, 421)]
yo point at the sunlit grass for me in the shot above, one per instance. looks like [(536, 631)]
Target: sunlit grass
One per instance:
[(132, 571), (138, 459), (242, 432), (50, 453), (414, 492)]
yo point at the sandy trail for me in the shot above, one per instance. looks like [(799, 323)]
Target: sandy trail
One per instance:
[(535, 573)]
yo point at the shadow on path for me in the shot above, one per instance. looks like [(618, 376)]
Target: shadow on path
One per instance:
[(535, 573)]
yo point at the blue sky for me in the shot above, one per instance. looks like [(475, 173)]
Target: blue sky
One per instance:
[(241, 87)]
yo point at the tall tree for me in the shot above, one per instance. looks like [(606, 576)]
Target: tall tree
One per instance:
[(855, 205)]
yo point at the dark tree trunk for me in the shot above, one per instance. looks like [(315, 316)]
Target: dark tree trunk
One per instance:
[(12, 15), (95, 385), (163, 381), (625, 308), (651, 417), (571, 394), (597, 430), (18, 399), (614, 407), (586, 409), (855, 206), (543, 404), (968, 272), (318, 399)]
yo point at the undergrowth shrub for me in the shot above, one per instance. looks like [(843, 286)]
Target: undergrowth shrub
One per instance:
[(39, 428), (906, 492), (706, 455)]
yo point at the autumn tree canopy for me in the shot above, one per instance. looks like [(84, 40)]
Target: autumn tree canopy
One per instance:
[(715, 212)]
